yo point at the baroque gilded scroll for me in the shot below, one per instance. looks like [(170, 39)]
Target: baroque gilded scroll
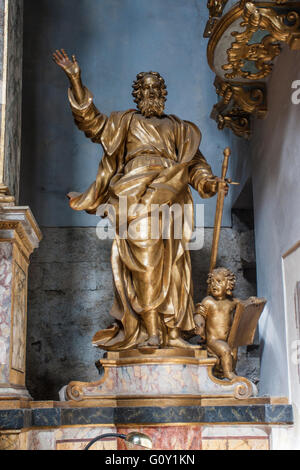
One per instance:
[(282, 28), (244, 43), (236, 104), (216, 8)]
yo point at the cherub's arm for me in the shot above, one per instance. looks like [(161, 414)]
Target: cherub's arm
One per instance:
[(202, 309), (87, 117), (200, 317)]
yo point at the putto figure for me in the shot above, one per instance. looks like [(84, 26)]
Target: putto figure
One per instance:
[(216, 311), (150, 158)]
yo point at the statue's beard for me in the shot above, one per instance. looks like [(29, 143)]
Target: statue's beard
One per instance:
[(151, 106)]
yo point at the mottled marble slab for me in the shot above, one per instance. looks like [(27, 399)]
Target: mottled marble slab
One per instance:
[(86, 416), (192, 438), (161, 380), (76, 438), (46, 417), (171, 437), (19, 319), (15, 419), (235, 444), (234, 415), (5, 308), (167, 437)]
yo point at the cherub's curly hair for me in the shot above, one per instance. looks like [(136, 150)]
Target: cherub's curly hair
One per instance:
[(137, 85), (231, 279)]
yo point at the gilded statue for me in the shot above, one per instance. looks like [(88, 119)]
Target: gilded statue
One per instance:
[(150, 158), (224, 322), (216, 311)]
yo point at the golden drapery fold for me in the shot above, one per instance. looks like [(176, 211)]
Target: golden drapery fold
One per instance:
[(149, 274)]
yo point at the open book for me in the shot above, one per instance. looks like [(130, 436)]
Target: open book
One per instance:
[(245, 321)]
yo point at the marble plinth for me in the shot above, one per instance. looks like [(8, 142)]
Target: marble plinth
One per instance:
[(262, 411), (60, 426), (170, 438), (176, 376), (19, 236)]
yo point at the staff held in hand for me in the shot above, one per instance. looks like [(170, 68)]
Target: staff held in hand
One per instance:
[(222, 192)]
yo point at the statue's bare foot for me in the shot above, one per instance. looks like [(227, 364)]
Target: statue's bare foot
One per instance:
[(230, 375), (151, 342), (180, 343)]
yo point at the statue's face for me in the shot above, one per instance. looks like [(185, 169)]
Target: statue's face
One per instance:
[(150, 87), (151, 101), (218, 285)]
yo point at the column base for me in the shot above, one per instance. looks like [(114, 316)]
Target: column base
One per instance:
[(14, 393)]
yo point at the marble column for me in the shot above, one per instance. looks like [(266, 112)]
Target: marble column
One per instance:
[(19, 236), (11, 52), (19, 233)]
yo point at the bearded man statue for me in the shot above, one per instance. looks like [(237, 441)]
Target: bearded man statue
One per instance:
[(151, 159)]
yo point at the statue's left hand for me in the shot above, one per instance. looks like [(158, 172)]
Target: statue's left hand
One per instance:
[(212, 185)]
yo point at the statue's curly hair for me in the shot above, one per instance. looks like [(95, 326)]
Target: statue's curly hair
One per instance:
[(231, 278), (137, 85)]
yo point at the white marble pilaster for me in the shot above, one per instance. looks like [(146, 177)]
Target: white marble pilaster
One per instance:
[(19, 236)]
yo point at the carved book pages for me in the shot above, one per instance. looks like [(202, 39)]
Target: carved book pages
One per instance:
[(245, 321)]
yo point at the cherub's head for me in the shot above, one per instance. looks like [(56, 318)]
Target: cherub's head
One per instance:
[(149, 92), (221, 283)]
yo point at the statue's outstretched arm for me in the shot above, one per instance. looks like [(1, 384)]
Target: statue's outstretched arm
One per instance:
[(73, 72), (87, 117)]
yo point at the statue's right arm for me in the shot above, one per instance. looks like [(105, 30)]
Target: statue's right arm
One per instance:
[(87, 117)]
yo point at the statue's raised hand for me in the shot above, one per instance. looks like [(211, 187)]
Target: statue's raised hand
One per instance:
[(70, 67), (73, 72)]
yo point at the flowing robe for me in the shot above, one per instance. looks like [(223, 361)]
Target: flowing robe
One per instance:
[(149, 161)]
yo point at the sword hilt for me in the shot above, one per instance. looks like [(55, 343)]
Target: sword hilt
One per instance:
[(227, 153)]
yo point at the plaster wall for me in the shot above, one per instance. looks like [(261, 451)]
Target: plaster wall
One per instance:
[(113, 41), (276, 189)]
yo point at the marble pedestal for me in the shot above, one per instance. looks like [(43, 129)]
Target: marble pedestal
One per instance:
[(163, 377), (60, 426), (19, 236)]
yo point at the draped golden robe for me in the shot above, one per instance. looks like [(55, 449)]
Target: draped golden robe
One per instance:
[(150, 161)]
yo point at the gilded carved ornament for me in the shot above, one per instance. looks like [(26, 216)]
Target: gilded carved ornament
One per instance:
[(263, 53), (9, 440), (216, 8), (5, 197), (19, 236), (241, 92), (236, 105)]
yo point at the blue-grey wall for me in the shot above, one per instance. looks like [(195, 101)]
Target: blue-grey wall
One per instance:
[(113, 40), (276, 191)]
